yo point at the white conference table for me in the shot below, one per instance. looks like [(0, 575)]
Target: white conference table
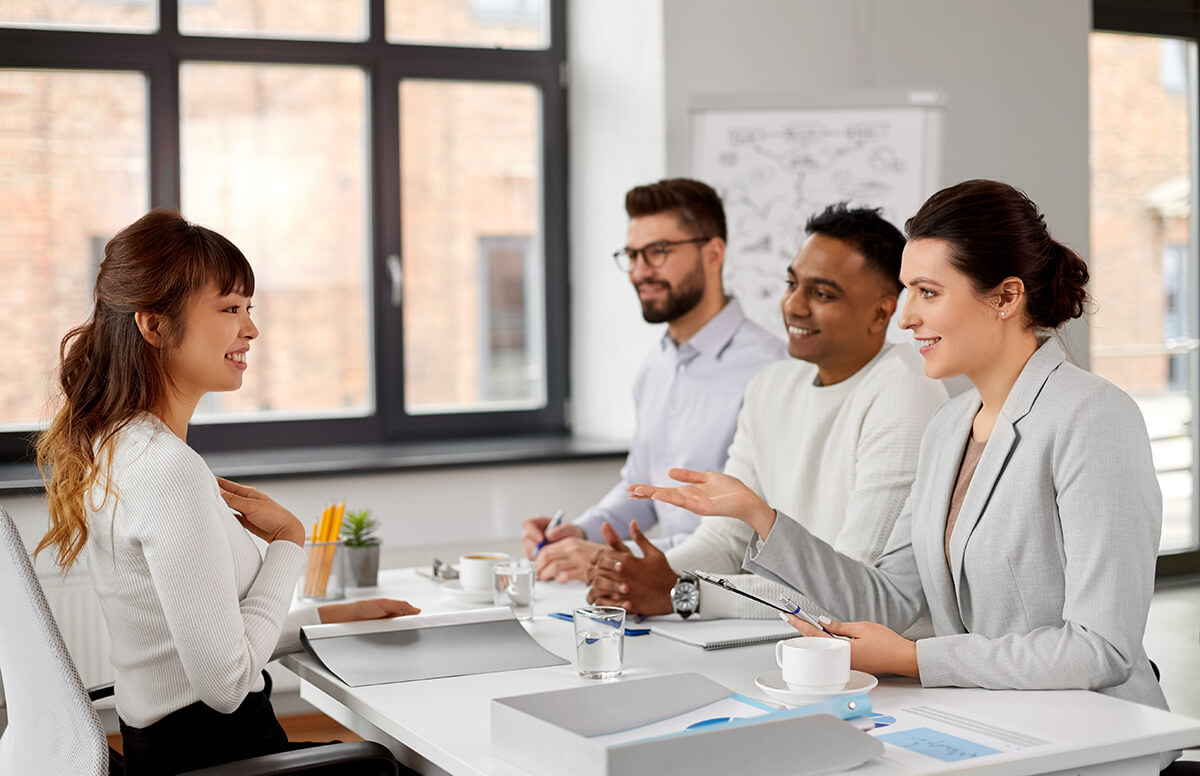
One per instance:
[(444, 725)]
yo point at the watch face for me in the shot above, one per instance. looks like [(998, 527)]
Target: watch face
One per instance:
[(685, 596)]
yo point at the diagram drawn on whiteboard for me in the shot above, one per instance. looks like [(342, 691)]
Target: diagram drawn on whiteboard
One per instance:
[(776, 167)]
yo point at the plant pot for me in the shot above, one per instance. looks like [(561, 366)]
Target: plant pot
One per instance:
[(362, 565)]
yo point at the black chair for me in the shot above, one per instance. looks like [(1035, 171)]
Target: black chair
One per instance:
[(53, 726), (1179, 767)]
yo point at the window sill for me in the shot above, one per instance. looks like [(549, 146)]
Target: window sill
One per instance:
[(23, 478)]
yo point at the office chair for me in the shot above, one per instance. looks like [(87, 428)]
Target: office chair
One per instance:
[(53, 727)]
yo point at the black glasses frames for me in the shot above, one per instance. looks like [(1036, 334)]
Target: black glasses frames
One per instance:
[(655, 254)]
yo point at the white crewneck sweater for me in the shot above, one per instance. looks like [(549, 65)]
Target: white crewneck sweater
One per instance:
[(841, 456), (193, 609)]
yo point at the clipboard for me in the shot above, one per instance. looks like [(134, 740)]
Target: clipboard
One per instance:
[(725, 584)]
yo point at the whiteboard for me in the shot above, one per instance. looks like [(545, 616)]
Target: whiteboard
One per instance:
[(777, 161)]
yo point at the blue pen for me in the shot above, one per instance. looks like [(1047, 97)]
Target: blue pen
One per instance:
[(569, 618), (555, 522)]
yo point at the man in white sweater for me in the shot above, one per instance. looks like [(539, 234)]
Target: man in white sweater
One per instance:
[(832, 433)]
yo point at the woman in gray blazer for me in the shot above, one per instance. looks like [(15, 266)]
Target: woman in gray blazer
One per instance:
[(1032, 528)]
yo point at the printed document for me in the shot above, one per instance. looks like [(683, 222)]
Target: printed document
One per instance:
[(931, 739)]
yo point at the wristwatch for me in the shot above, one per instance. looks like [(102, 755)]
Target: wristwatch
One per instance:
[(685, 596)]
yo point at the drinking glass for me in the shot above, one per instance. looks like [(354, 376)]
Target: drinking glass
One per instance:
[(599, 641), (513, 586)]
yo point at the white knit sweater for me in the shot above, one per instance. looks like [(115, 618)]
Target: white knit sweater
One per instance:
[(841, 457), (193, 608)]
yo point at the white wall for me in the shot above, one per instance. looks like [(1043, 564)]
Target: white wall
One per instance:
[(617, 141), (1015, 73)]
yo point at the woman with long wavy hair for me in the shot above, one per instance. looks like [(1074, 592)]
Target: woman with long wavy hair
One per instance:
[(194, 609)]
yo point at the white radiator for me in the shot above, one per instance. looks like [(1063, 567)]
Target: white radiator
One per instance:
[(77, 610)]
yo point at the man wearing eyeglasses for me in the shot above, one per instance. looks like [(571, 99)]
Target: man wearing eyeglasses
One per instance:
[(829, 436), (689, 388)]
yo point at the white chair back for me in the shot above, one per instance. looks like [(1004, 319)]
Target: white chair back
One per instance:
[(52, 726)]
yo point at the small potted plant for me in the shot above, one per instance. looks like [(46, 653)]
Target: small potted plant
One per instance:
[(362, 549)]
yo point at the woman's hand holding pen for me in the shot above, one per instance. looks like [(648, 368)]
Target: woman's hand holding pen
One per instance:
[(261, 515), (874, 648), (712, 493)]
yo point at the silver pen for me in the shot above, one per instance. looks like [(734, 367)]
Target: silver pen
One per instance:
[(803, 615)]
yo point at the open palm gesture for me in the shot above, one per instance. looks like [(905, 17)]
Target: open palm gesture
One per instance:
[(711, 493)]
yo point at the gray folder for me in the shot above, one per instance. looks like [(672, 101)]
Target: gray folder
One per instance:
[(549, 734)]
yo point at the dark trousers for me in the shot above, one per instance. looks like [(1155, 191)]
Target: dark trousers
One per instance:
[(198, 737)]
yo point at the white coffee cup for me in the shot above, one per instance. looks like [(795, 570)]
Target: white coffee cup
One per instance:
[(475, 569), (814, 663)]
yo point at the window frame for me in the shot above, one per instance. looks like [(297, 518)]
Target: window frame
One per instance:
[(1174, 19), (158, 56)]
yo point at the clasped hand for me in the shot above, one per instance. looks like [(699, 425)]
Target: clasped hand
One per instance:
[(617, 577)]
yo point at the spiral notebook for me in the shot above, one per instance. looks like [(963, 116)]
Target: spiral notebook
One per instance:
[(719, 634)]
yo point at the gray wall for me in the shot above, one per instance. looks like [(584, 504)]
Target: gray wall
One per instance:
[(1015, 74)]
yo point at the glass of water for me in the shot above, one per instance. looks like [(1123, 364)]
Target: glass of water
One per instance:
[(512, 586), (600, 641)]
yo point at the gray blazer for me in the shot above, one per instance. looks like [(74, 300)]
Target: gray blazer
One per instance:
[(1052, 557)]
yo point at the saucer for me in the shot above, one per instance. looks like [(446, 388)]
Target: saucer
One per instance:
[(772, 684), (456, 591)]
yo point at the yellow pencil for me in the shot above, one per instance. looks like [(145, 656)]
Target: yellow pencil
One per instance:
[(313, 567), (329, 551)]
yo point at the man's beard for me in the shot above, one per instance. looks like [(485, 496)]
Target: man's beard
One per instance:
[(678, 302)]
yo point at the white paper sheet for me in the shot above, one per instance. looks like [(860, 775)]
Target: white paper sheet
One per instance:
[(932, 739)]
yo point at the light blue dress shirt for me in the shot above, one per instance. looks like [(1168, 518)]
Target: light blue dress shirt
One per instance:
[(687, 399)]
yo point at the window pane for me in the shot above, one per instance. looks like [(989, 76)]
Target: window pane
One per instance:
[(470, 217), (519, 24), (1143, 262), (313, 19), (72, 173), (105, 15), (274, 158)]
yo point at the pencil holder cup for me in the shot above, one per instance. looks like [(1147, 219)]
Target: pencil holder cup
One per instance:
[(324, 572)]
